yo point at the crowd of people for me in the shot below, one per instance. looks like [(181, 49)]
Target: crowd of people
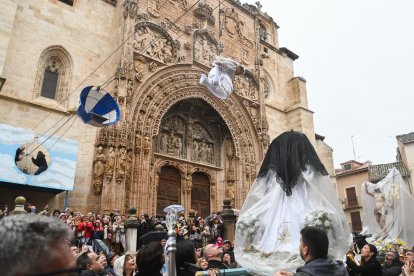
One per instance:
[(70, 243)]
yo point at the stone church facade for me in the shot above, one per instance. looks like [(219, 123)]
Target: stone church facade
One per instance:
[(176, 142)]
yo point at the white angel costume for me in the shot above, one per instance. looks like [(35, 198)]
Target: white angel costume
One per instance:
[(292, 190), (388, 207), (220, 78)]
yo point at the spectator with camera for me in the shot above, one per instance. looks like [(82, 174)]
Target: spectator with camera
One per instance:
[(369, 264)]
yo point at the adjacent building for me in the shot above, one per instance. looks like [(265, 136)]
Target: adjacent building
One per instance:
[(353, 174)]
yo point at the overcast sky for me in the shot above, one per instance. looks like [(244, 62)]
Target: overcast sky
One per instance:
[(358, 58)]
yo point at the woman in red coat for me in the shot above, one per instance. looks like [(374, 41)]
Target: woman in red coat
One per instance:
[(85, 227)]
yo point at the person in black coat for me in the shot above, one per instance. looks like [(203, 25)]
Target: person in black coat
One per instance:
[(369, 264), (41, 162), (185, 258), (150, 259)]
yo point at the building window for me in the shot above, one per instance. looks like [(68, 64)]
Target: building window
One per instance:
[(67, 2), (356, 222), (347, 167), (53, 75)]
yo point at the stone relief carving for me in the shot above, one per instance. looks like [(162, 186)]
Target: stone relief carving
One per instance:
[(205, 50), (154, 42), (110, 164), (98, 170), (183, 3), (171, 25), (121, 164), (245, 87), (266, 89), (232, 23), (130, 8), (205, 13), (154, 7), (143, 16)]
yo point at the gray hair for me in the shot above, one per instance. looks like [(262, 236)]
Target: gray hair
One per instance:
[(26, 241)]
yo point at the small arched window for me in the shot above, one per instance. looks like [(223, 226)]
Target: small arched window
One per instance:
[(54, 74)]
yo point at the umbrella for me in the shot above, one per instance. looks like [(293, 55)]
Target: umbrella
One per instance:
[(176, 207), (98, 108), (101, 246), (152, 236)]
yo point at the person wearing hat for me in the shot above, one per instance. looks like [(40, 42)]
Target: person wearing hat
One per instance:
[(111, 257), (369, 264), (227, 246)]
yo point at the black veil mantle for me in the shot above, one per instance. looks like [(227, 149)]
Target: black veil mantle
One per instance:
[(288, 155)]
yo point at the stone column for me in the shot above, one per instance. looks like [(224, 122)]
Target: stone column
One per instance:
[(131, 227), (229, 220)]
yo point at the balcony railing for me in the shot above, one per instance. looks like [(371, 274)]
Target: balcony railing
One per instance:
[(350, 203)]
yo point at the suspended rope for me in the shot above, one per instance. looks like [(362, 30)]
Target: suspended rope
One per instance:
[(100, 65)]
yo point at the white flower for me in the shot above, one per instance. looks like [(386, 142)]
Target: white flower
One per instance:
[(320, 215), (326, 223), (318, 223)]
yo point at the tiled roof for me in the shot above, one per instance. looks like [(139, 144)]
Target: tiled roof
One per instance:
[(364, 167), (406, 138), (351, 161), (378, 172)]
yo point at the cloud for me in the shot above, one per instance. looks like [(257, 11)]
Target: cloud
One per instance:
[(64, 146), (8, 170), (60, 175), (15, 135)]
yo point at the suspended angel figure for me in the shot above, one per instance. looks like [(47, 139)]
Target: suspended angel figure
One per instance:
[(292, 190), (220, 78)]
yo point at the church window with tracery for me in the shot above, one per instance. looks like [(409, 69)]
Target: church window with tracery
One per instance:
[(53, 75)]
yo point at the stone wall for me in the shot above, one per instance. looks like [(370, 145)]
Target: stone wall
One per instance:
[(157, 64)]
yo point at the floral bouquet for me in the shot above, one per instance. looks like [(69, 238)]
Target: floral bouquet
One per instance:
[(386, 245), (320, 219)]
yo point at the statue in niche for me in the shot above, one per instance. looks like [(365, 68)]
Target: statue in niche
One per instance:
[(129, 89), (230, 192), (146, 145), (122, 160), (170, 143), (110, 164), (178, 145), (195, 150), (210, 153), (163, 143), (203, 152), (230, 152), (98, 170)]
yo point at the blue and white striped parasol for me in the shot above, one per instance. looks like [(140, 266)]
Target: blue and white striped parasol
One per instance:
[(98, 107)]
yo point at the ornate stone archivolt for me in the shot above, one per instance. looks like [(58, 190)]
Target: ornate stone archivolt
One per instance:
[(134, 151)]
